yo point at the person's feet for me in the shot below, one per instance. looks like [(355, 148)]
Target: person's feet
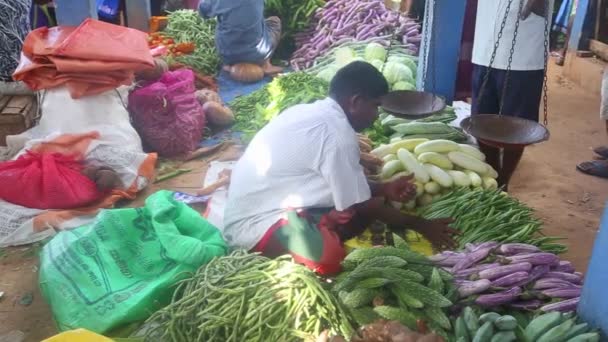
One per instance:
[(598, 168), (271, 70), (601, 151)]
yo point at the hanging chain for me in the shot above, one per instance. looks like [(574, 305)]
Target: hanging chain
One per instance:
[(425, 53), (505, 85), (433, 40), (546, 56)]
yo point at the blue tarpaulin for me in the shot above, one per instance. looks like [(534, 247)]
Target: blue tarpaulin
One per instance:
[(229, 88)]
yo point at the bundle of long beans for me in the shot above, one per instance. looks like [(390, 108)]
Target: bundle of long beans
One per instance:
[(490, 215), (186, 26), (248, 297)]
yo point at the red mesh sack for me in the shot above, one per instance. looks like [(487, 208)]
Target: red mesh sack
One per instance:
[(46, 181), (167, 115)]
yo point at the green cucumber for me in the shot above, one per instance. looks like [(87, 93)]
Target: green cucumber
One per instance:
[(504, 336), (588, 337), (506, 323), (577, 330), (542, 324), (489, 317), (471, 320), (558, 333), (460, 329), (485, 333)]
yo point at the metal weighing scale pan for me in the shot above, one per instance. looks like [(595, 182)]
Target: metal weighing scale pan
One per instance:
[(412, 104), (504, 131)]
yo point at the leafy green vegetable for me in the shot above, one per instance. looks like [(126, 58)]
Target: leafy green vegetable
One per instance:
[(254, 111)]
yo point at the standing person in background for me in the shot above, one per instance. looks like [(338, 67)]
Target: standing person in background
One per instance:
[(525, 82), (242, 34), (599, 168)]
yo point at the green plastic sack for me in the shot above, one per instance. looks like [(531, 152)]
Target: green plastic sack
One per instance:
[(123, 267)]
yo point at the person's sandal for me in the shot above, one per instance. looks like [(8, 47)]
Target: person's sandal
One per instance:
[(601, 151), (598, 168)]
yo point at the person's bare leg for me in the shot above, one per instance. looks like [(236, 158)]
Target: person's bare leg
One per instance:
[(510, 159), (270, 69)]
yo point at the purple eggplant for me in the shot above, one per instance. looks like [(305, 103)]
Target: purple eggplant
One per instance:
[(516, 248), (552, 283), (527, 304), (500, 271), (536, 273), (563, 306), (475, 269), (510, 279), (471, 259), (468, 288), (535, 258), (564, 266), (565, 293), (498, 298), (447, 258), (571, 277)]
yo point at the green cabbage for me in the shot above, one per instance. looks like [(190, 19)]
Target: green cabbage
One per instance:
[(402, 85), (395, 72), (375, 51), (377, 64), (409, 62), (344, 55), (328, 73)]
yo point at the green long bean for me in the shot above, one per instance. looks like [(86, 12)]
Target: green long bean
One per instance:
[(248, 297), (490, 215)]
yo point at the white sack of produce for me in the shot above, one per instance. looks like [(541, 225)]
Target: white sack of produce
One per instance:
[(438, 165), (95, 128)]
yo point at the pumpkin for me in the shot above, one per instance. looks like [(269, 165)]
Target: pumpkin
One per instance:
[(206, 95), (217, 114), (246, 72)]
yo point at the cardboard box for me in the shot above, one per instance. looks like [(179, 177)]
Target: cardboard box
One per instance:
[(18, 113)]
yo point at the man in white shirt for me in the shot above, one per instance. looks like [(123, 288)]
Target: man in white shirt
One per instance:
[(525, 80), (299, 184)]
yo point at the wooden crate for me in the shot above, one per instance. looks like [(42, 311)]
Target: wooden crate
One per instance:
[(17, 114)]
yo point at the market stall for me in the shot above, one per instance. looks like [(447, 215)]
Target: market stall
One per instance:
[(158, 270)]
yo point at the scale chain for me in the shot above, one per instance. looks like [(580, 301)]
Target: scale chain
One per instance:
[(505, 85)]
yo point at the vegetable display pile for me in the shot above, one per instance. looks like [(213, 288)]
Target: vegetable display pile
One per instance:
[(548, 327), (433, 127), (483, 215), (555, 326), (399, 69), (515, 275), (489, 326), (438, 166), (395, 284), (247, 297), (186, 26), (295, 14), (341, 21), (255, 110)]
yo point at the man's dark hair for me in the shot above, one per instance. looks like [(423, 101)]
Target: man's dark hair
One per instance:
[(358, 78)]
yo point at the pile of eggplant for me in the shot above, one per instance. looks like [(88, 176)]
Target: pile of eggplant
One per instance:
[(513, 275)]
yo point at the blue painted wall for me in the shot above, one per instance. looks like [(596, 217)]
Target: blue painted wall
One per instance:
[(444, 53), (73, 12), (593, 306)]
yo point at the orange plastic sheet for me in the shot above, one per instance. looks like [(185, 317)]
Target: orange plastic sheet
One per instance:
[(89, 59)]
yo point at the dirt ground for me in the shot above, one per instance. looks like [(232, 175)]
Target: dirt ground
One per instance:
[(570, 203)]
